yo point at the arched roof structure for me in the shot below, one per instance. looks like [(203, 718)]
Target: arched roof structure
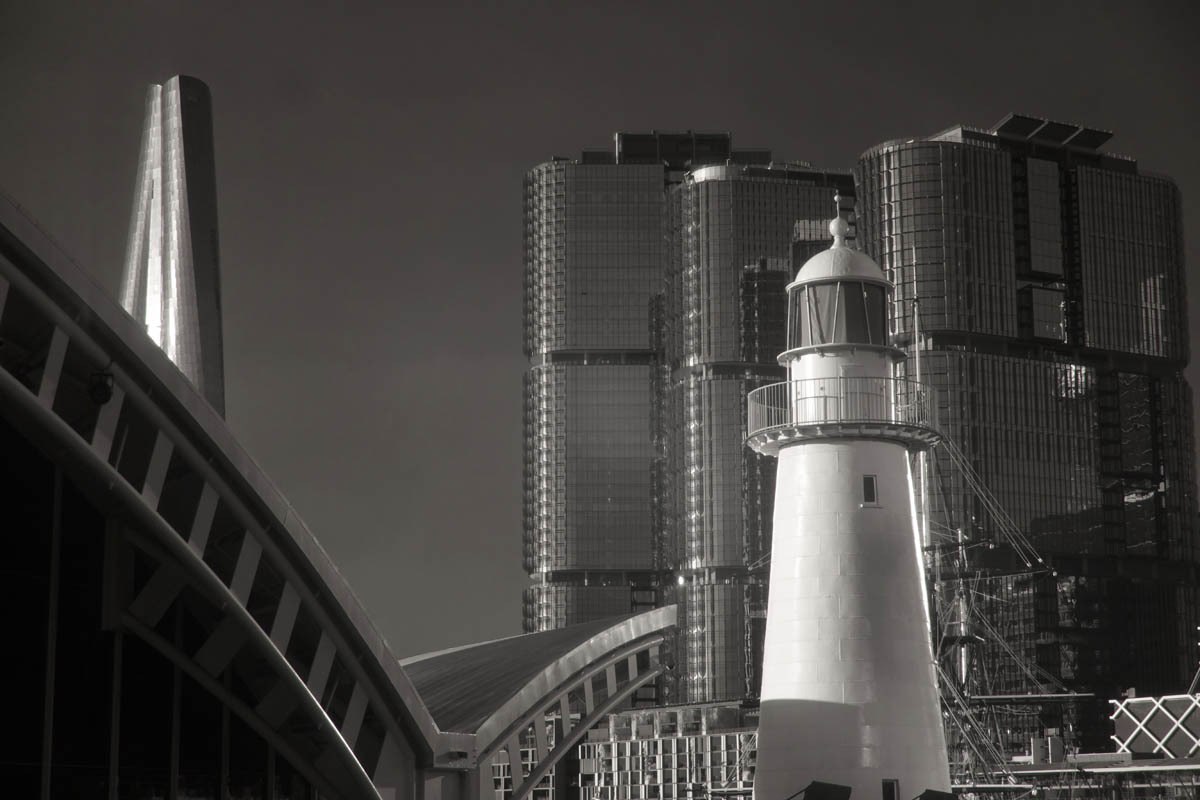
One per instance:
[(218, 543), (539, 692)]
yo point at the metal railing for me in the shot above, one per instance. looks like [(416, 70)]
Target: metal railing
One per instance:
[(850, 400)]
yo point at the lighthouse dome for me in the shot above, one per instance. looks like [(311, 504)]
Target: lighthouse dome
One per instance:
[(839, 261), (839, 298)]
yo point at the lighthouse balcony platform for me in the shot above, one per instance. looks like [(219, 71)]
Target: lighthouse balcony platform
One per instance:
[(842, 407)]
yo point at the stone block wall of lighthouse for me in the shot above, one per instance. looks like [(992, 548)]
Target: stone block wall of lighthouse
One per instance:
[(841, 672)]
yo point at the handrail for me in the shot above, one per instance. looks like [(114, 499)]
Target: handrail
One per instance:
[(838, 400)]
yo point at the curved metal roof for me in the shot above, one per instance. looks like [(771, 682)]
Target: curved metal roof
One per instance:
[(44, 294), (480, 692), (465, 687), (143, 367)]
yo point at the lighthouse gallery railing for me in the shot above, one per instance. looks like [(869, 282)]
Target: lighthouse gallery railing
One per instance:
[(843, 400)]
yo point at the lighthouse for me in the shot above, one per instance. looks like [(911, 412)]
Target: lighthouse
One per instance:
[(849, 694)]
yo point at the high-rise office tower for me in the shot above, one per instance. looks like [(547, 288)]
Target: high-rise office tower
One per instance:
[(730, 238), (172, 281), (654, 302), (1041, 282), (593, 269)]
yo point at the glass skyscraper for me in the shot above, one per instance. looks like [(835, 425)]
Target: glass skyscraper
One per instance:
[(1041, 282), (654, 302), (593, 268), (730, 236)]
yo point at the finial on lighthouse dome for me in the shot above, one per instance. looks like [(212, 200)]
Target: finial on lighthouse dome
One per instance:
[(838, 228), (840, 261)]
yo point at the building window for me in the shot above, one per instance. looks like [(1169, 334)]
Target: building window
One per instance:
[(870, 496), (891, 789)]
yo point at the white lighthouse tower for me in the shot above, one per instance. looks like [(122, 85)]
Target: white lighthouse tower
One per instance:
[(848, 691)]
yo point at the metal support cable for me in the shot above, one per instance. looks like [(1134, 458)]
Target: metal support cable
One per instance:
[(1017, 659), (985, 750), (1008, 527), (1022, 662)]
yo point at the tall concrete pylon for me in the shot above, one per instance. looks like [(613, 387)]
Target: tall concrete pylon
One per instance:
[(172, 277), (849, 693)]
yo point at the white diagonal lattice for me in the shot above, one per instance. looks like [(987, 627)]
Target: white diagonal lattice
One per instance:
[(1180, 740)]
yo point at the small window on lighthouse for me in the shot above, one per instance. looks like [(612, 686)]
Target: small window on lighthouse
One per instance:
[(870, 497)]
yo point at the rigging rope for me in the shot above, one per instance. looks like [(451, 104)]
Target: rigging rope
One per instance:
[(1008, 527), (985, 750)]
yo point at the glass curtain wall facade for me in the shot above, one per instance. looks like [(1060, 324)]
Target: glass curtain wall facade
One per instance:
[(663, 753), (1042, 283), (593, 269), (592, 254), (730, 238)]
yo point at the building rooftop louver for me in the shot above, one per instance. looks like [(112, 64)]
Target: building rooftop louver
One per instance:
[(1019, 126)]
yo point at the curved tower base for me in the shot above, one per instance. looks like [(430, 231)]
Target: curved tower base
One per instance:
[(849, 693)]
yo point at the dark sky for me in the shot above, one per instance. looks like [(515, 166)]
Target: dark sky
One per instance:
[(369, 165)]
